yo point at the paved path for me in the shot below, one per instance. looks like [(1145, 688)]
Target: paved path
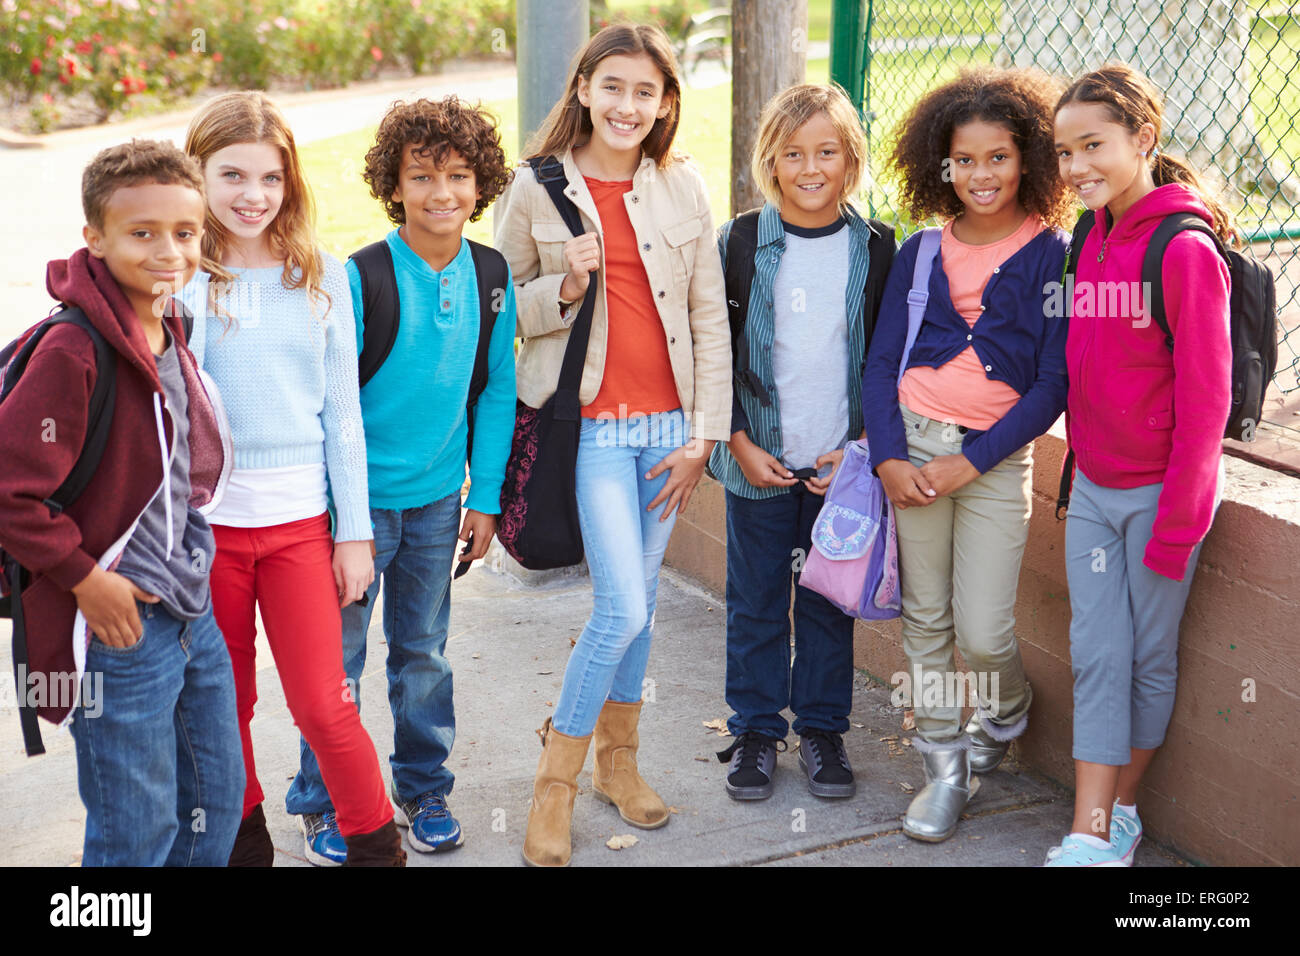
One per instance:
[(40, 205), (508, 647)]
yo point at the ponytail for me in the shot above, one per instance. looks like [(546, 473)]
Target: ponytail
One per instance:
[(1166, 169)]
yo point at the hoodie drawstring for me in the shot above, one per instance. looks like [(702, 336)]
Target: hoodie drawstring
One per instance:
[(167, 470)]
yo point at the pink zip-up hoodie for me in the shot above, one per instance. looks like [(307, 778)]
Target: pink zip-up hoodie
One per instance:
[(1138, 414)]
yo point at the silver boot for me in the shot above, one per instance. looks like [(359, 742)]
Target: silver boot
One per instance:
[(989, 743), (932, 815)]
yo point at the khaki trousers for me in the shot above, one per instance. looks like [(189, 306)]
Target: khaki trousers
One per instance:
[(959, 563)]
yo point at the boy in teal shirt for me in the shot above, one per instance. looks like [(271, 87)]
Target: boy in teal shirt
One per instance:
[(434, 166)]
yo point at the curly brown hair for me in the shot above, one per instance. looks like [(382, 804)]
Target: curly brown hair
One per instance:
[(435, 128), (1022, 101)]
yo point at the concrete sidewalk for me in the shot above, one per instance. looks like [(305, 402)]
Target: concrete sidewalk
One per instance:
[(508, 646)]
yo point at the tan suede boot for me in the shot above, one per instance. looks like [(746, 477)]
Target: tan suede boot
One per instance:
[(547, 841), (615, 779)]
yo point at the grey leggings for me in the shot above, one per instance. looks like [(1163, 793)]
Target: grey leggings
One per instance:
[(1124, 622)]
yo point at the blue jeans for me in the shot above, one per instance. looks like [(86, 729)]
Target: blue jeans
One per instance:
[(414, 550), (624, 545), (159, 762), (765, 536)]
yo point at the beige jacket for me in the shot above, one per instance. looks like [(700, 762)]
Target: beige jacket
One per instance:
[(669, 210)]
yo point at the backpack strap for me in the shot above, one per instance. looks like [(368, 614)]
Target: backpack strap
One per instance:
[(549, 173), (492, 275), (742, 244), (1081, 229), (1153, 261), (99, 415), (880, 256), (919, 294), (380, 307), (99, 419)]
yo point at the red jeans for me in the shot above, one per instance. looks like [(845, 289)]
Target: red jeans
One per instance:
[(286, 571)]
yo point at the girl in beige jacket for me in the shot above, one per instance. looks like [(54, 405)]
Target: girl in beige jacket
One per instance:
[(655, 391)]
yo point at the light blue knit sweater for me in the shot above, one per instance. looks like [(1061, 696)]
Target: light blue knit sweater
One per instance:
[(287, 371)]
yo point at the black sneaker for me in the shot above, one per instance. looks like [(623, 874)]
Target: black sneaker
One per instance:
[(753, 760), (822, 757)]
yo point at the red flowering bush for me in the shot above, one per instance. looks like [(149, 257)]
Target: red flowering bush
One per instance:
[(124, 55)]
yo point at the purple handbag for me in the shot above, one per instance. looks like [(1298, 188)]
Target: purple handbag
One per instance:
[(853, 562)]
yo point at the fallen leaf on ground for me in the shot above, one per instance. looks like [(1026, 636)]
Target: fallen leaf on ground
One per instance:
[(700, 759), (859, 725), (474, 656), (909, 719), (621, 842), (906, 741), (674, 809), (907, 787), (719, 725), (890, 737), (544, 672)]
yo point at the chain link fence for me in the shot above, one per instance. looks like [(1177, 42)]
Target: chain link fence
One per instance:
[(1229, 69)]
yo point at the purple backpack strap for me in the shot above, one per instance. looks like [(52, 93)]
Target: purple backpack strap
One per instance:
[(919, 294)]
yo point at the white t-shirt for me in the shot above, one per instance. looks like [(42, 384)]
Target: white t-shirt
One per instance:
[(263, 497)]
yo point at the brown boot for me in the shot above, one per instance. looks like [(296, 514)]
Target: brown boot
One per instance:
[(547, 841), (615, 779), (382, 847), (253, 846)]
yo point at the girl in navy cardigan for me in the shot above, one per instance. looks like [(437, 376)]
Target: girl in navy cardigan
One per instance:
[(952, 438)]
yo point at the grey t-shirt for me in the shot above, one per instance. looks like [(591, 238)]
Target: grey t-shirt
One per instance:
[(179, 576), (810, 347)]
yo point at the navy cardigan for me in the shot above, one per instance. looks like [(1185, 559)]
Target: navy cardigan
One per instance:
[(1020, 338)]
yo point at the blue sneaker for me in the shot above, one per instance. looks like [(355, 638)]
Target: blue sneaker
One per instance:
[(1074, 852), (431, 827), (1125, 833), (325, 846)]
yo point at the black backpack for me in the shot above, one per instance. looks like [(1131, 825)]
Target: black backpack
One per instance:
[(13, 360), (382, 309), (739, 271), (1252, 320)]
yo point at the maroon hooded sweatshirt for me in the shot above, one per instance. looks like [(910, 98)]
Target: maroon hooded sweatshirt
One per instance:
[(52, 398)]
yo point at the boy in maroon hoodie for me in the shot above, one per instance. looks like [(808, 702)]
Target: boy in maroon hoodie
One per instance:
[(117, 601)]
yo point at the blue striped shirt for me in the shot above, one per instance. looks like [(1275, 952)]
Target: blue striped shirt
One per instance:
[(763, 423)]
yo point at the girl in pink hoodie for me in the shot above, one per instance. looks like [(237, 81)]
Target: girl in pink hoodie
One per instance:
[(1145, 423)]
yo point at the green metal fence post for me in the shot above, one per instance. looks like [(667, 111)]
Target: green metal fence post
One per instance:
[(848, 48)]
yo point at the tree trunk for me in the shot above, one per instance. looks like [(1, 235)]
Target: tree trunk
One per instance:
[(1194, 51), (769, 43)]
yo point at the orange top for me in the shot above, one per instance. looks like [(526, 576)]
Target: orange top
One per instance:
[(960, 391), (638, 377)]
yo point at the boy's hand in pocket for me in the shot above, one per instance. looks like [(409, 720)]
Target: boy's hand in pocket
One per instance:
[(107, 602)]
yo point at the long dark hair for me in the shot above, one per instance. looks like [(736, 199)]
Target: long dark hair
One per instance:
[(569, 122)]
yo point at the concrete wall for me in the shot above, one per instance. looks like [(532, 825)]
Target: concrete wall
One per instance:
[(1225, 788)]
